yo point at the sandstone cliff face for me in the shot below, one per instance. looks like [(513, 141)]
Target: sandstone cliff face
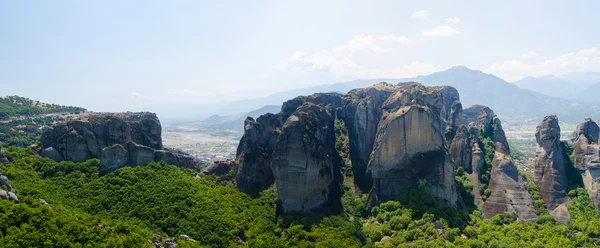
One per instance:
[(460, 149), (362, 111), (305, 163), (508, 192), (254, 153), (550, 166), (116, 139), (587, 158), (410, 147)]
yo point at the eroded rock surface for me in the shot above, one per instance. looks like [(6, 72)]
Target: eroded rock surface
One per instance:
[(550, 167), (410, 147), (508, 192), (587, 158), (117, 139), (363, 109), (305, 163), (6, 190), (254, 153)]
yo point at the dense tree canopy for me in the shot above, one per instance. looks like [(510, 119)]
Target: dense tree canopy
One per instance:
[(126, 207)]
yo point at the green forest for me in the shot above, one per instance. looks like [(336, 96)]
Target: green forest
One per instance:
[(18, 106), (125, 208)]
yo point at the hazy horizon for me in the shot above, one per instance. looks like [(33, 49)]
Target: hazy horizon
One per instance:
[(189, 56)]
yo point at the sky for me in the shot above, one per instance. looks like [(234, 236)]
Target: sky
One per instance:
[(190, 56)]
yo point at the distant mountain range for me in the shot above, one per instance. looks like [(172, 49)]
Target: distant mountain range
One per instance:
[(511, 103), (578, 86)]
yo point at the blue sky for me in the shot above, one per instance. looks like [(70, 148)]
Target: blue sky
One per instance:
[(162, 55)]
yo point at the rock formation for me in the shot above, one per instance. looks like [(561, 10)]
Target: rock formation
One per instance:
[(254, 153), (220, 168), (3, 159), (508, 192), (305, 163), (362, 111), (550, 168), (6, 190), (587, 158), (116, 139), (461, 150), (410, 146), (400, 136)]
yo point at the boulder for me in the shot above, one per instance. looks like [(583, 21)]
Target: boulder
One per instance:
[(220, 168), (305, 163), (550, 166), (9, 193)]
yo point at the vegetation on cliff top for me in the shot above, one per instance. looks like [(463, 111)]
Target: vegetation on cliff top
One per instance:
[(15, 105)]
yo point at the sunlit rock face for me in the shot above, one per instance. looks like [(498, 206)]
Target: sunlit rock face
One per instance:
[(362, 112), (305, 163), (508, 192), (410, 147)]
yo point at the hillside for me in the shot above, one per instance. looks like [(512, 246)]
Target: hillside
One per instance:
[(572, 86), (11, 106)]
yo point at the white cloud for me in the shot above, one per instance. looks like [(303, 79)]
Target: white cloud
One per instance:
[(440, 31), (135, 95), (264, 75), (581, 61), (454, 20), (420, 14), (529, 54), (339, 59)]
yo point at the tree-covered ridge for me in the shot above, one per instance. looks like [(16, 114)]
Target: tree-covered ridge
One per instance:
[(126, 207), (16, 106)]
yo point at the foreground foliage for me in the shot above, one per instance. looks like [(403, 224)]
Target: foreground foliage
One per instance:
[(126, 207)]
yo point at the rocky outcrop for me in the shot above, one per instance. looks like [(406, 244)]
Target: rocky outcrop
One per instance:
[(460, 149), (470, 114), (118, 139), (508, 192), (220, 168), (550, 167), (362, 111), (305, 163), (6, 190), (587, 158), (255, 151), (585, 145), (410, 147), (3, 158)]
